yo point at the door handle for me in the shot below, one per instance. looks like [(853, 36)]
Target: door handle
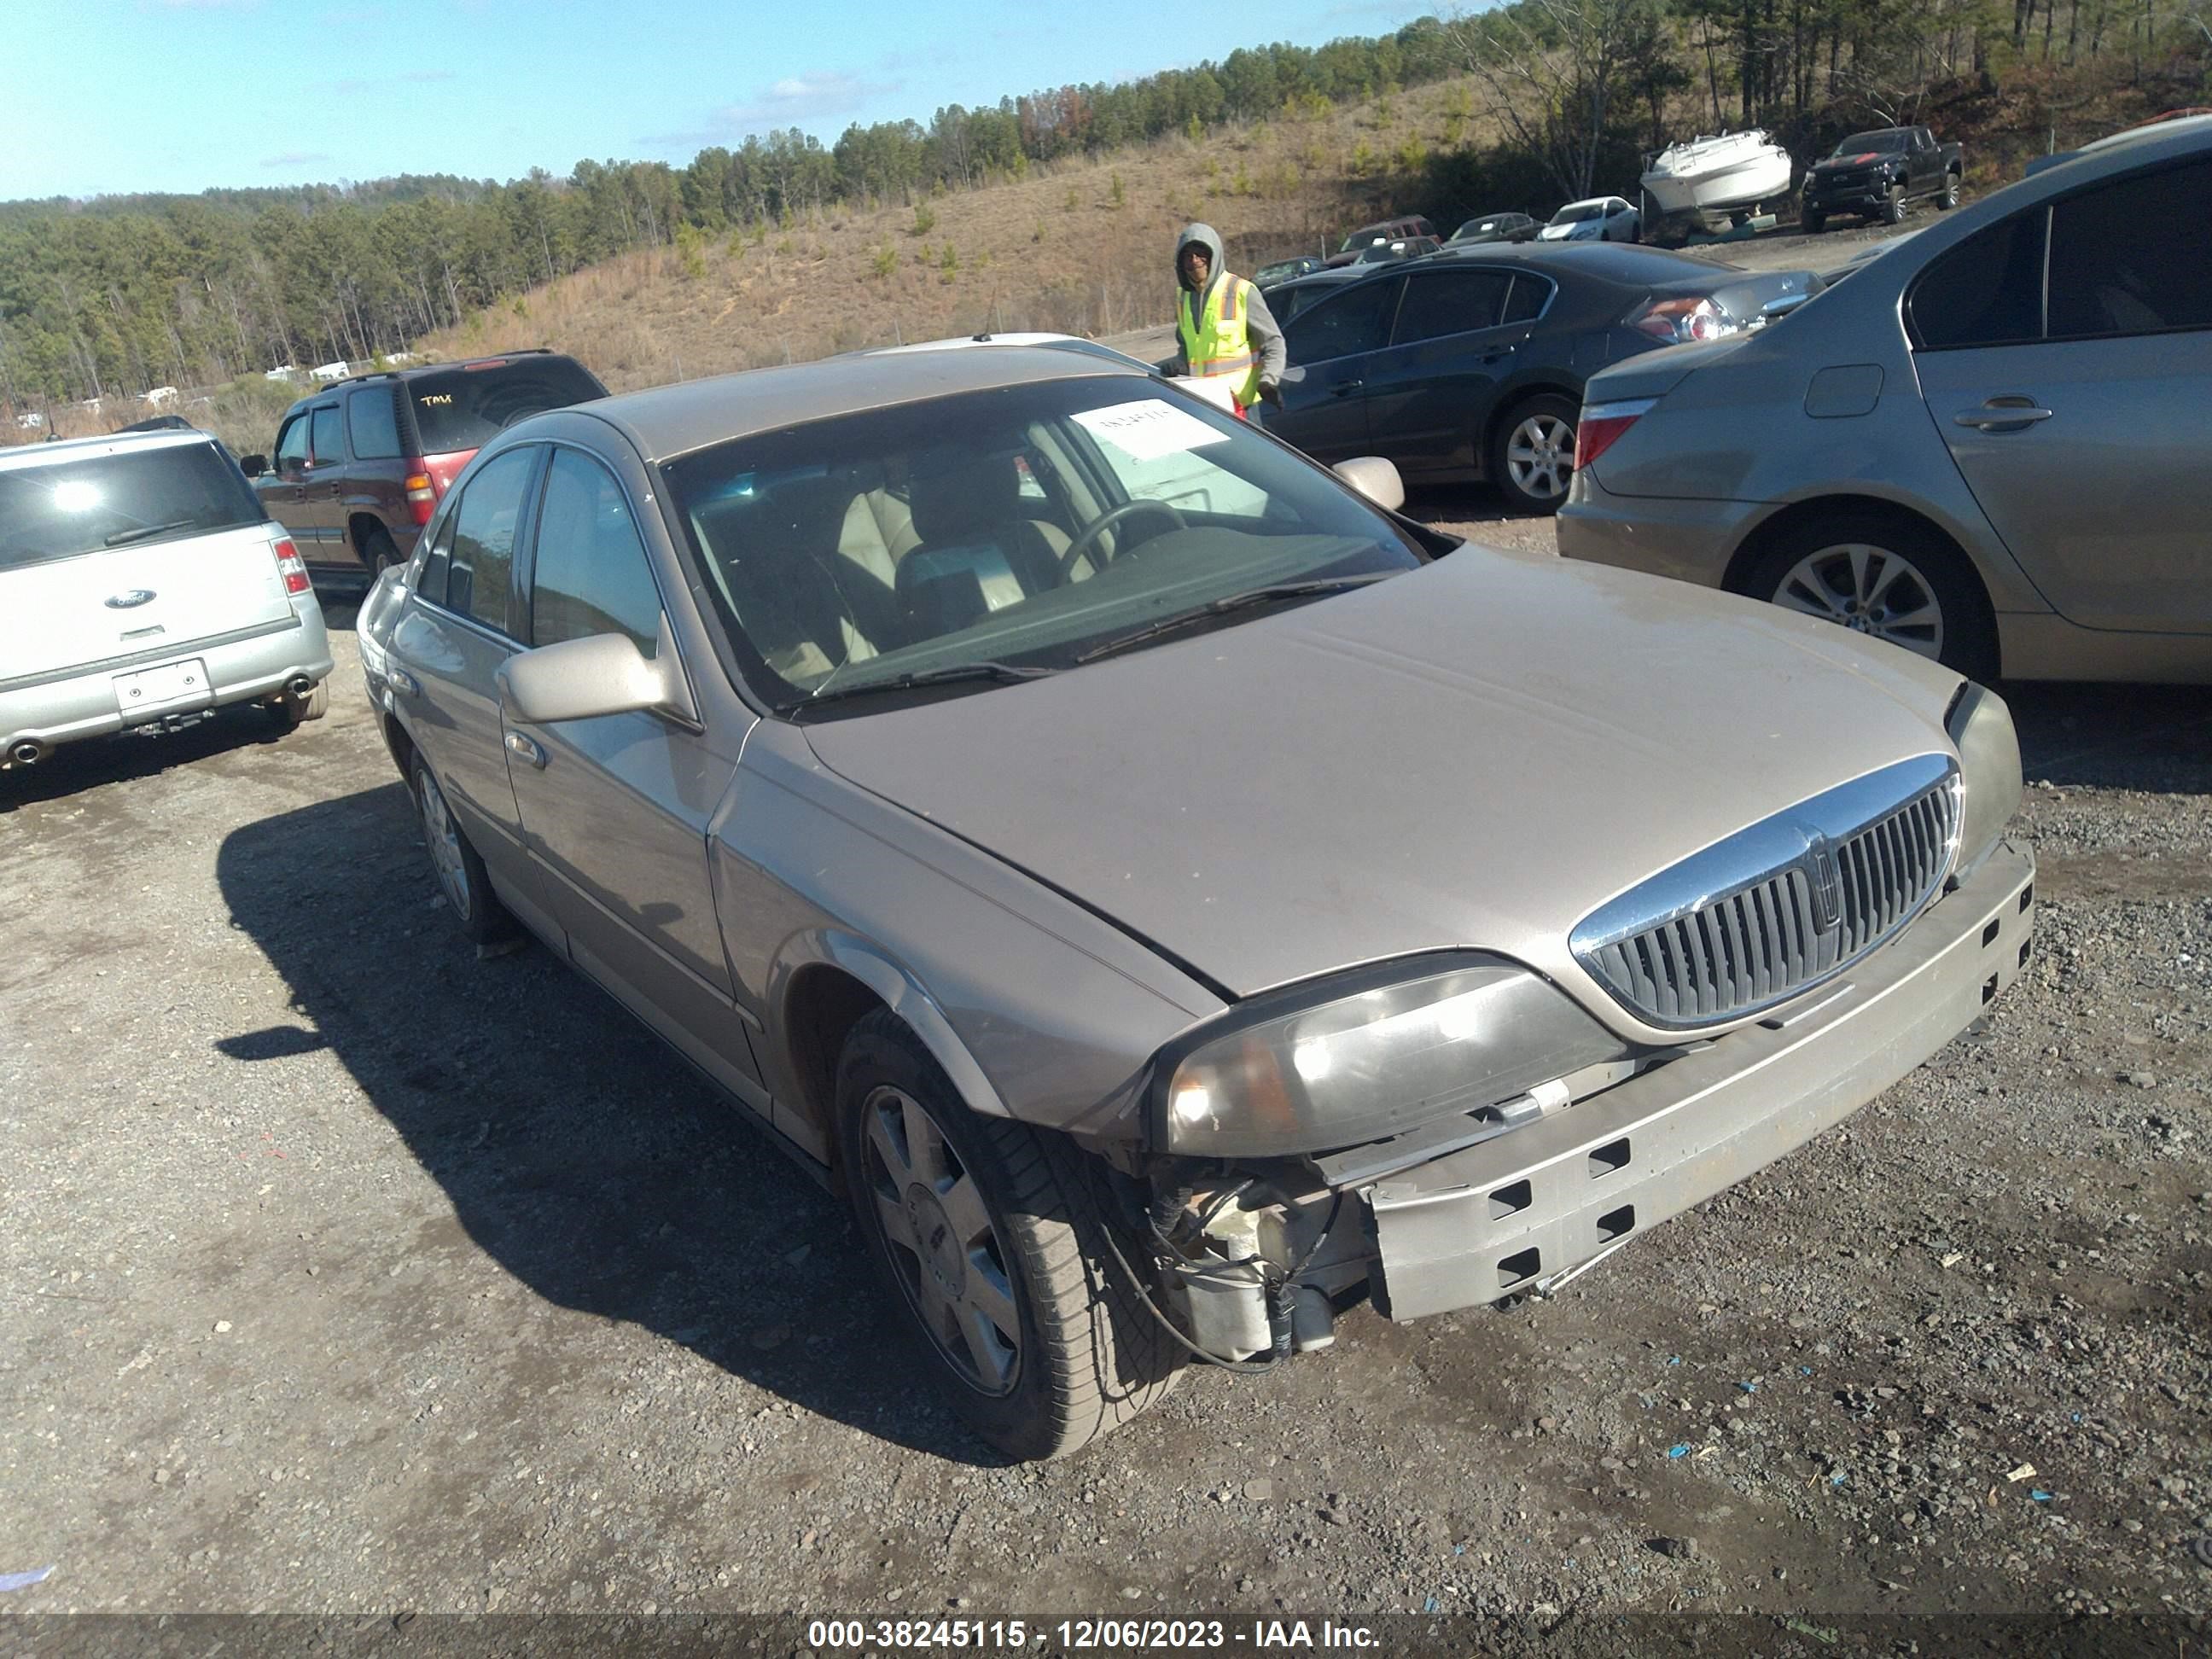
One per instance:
[(2003, 414), (1345, 388), (523, 747), (1496, 353)]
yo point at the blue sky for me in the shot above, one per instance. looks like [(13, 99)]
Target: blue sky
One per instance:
[(108, 96)]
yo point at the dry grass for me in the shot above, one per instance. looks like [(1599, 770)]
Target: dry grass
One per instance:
[(1052, 251)]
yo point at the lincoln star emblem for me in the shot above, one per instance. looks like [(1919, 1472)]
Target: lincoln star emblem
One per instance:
[(1824, 879), (130, 601)]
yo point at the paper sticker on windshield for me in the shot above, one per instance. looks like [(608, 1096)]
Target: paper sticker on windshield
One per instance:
[(1148, 429)]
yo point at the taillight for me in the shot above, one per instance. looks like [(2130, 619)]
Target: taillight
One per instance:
[(290, 565), (1679, 322), (1601, 425), (421, 492)]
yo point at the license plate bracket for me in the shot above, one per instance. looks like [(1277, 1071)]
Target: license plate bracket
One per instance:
[(176, 685)]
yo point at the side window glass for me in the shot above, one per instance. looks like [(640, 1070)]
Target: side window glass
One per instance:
[(328, 439), (483, 559), (2134, 257), (437, 560), (1527, 302), (292, 444), (375, 427), (590, 573), (1440, 302), (1355, 320), (1986, 291)]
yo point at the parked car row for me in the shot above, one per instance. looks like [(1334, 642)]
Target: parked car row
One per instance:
[(1991, 445)]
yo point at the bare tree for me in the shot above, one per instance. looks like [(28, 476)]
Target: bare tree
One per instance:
[(1557, 75)]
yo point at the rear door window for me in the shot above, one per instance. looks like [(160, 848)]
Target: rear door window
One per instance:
[(374, 423), (1529, 296), (1986, 291), (467, 407), (1355, 320), (131, 498), (2134, 257), (1441, 302), (481, 575), (590, 573), (328, 439)]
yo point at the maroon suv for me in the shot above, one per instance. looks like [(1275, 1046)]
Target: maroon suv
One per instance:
[(360, 466)]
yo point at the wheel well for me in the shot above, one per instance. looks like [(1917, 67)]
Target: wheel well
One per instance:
[(401, 745), (1828, 507), (360, 527), (819, 1012)]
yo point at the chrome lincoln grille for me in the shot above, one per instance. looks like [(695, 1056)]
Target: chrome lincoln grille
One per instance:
[(1774, 909)]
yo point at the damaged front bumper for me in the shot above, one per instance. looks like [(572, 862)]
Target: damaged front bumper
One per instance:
[(1519, 1211)]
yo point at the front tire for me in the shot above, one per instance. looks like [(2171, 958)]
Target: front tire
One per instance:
[(1532, 452), (1813, 223), (1886, 577), (1892, 208), (460, 873), (991, 1237)]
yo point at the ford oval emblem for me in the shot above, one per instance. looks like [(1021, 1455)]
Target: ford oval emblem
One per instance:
[(131, 600)]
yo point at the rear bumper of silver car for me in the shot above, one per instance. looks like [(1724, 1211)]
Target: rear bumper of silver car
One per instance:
[(1690, 540), (51, 709), (1516, 1212)]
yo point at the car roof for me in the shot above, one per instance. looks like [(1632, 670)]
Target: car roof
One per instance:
[(670, 421), (415, 371), (20, 456), (2164, 127), (1630, 264)]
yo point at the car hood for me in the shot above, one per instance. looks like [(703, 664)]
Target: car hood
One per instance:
[(1476, 754), (1847, 163)]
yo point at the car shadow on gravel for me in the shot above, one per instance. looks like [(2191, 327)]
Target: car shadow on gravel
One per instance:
[(2156, 738), (141, 753), (578, 1151)]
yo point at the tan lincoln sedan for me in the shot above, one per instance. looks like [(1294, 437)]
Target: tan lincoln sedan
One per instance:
[(1175, 897)]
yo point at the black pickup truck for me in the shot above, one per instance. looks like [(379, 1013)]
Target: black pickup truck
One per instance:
[(1875, 173)]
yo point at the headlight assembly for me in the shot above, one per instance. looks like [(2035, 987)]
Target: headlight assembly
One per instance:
[(1988, 766), (1360, 1056)]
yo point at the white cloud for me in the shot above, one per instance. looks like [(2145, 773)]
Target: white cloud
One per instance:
[(797, 100)]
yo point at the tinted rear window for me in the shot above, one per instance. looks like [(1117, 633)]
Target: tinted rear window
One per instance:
[(139, 497), (1986, 291), (374, 423), (466, 408)]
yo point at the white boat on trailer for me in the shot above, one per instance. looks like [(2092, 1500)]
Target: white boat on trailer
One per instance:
[(1727, 177)]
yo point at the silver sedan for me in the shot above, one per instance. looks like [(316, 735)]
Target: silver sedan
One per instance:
[(1169, 897)]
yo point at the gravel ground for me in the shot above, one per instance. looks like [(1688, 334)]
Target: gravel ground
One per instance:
[(344, 1271)]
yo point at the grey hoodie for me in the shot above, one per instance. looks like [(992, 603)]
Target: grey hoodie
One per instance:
[(1258, 322)]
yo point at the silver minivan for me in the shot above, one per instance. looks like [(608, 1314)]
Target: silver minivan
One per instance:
[(141, 583)]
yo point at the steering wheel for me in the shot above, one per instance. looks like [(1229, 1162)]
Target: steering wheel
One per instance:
[(1098, 527)]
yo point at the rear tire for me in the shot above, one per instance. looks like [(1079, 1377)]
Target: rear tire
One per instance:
[(292, 712), (1949, 199), (1824, 568), (1532, 452), (378, 554), (991, 1238), (461, 878)]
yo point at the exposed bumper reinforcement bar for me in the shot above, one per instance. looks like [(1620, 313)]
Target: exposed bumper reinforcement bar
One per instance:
[(1504, 1216)]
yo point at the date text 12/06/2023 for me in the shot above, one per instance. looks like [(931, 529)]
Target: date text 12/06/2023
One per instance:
[(1080, 1635)]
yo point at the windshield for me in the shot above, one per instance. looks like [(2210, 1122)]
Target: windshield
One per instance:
[(466, 406), (131, 498), (1882, 138), (1018, 527), (1360, 239), (1580, 213)]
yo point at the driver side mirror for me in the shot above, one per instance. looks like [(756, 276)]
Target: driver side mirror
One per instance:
[(601, 674), (1375, 478), (254, 466)]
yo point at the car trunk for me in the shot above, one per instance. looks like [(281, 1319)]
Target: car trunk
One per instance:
[(64, 612)]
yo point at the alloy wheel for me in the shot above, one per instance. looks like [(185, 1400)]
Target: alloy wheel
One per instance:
[(943, 1246), (1868, 590), (444, 837), (1540, 456)]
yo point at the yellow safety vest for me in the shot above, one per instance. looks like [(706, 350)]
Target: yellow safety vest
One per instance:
[(1218, 344)]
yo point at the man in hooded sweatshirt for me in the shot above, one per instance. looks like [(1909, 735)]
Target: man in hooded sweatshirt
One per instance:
[(1223, 327)]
